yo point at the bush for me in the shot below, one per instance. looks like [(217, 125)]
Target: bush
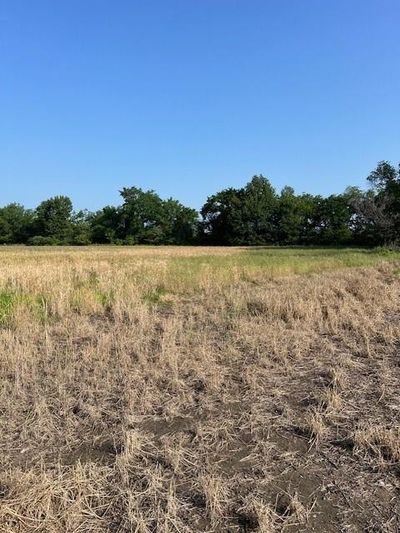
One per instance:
[(39, 240), (130, 240), (82, 239)]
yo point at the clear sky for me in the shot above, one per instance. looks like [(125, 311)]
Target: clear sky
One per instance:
[(191, 96)]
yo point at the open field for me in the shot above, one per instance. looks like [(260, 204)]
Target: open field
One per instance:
[(199, 390)]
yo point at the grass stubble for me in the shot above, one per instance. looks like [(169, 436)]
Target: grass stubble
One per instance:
[(194, 389)]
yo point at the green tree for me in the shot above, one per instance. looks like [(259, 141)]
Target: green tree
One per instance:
[(54, 220), (223, 218), (291, 218), (81, 230), (259, 211), (383, 176), (178, 223), (384, 202), (15, 224), (106, 226), (148, 219), (241, 216), (333, 220), (142, 215), (377, 210)]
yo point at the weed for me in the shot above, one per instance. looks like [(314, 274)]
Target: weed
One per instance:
[(7, 305)]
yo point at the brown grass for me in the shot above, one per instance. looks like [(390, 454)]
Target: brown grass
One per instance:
[(141, 395)]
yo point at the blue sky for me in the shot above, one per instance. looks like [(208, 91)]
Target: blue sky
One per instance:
[(191, 96)]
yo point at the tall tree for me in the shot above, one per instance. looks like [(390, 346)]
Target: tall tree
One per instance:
[(178, 222), (142, 213), (15, 224), (385, 181), (81, 231), (334, 216), (378, 209), (259, 211), (54, 219), (223, 221), (148, 219), (106, 226), (290, 218)]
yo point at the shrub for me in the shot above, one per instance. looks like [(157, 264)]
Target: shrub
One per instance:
[(39, 240)]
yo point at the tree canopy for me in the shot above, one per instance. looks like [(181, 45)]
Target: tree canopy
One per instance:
[(255, 214)]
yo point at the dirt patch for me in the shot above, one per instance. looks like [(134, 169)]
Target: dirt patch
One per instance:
[(101, 453)]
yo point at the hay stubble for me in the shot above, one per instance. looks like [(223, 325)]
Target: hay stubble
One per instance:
[(184, 389)]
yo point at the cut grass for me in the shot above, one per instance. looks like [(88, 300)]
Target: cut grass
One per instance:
[(264, 399)]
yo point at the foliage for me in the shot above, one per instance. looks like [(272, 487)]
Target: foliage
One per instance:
[(252, 215), (106, 225), (54, 219), (223, 218), (147, 219), (15, 222)]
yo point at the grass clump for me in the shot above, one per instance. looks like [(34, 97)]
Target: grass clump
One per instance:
[(155, 298), (8, 302), (379, 441)]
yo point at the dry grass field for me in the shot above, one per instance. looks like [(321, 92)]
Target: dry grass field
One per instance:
[(199, 390)]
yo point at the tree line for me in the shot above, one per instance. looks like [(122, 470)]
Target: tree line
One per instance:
[(255, 214)]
